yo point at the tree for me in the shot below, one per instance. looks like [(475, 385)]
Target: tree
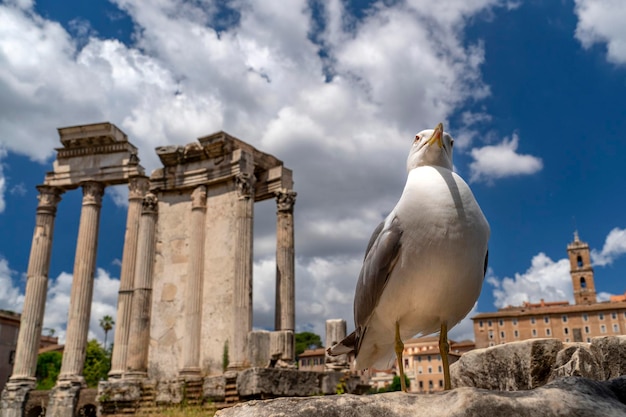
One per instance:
[(97, 364), (307, 340), (395, 384), (106, 323), (48, 369)]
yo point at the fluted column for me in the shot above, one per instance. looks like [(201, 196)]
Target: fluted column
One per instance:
[(139, 340), (242, 297), (36, 286), (193, 289), (82, 284), (137, 188), (285, 314)]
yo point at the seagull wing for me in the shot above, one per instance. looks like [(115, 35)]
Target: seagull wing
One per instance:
[(381, 256)]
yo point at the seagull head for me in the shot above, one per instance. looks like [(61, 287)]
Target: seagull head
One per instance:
[(431, 147)]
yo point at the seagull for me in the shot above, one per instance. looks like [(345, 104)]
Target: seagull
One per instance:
[(424, 265)]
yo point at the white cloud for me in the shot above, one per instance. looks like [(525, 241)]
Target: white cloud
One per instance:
[(602, 21), (545, 279), (58, 301), (502, 160), (614, 246), (11, 298)]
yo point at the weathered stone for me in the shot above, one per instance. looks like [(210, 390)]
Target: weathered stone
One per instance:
[(263, 383), (577, 359), (565, 397), (510, 367), (611, 354), (214, 388)]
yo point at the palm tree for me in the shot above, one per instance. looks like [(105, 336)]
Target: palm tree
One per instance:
[(106, 323)]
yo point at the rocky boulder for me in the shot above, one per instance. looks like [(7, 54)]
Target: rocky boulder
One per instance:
[(570, 396), (533, 363)]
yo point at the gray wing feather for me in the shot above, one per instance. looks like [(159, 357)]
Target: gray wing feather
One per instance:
[(381, 256)]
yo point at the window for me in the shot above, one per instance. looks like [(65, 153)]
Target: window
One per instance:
[(489, 323), (501, 335), (601, 316), (490, 334), (514, 322), (579, 261), (602, 328), (583, 283), (567, 340), (419, 358), (587, 329), (480, 323), (534, 332), (421, 385), (406, 363), (532, 320), (546, 319), (564, 318), (547, 332), (439, 369), (585, 317), (614, 315), (565, 330), (516, 333), (420, 370), (501, 322), (440, 383), (588, 340), (615, 328), (430, 385), (429, 358), (430, 369)]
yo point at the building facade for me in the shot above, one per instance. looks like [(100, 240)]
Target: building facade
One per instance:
[(578, 322)]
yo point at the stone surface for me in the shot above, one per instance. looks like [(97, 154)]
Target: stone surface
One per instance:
[(565, 397), (532, 363), (510, 367)]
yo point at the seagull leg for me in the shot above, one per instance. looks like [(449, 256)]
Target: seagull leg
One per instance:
[(399, 350), (444, 348)]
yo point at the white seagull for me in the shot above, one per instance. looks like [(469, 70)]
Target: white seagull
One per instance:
[(425, 263)]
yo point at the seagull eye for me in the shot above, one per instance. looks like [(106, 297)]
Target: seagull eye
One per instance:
[(417, 138), (452, 143)]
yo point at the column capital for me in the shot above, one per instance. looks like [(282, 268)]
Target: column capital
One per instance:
[(198, 197), (150, 204), (48, 198), (285, 200), (137, 187), (245, 185), (92, 193)]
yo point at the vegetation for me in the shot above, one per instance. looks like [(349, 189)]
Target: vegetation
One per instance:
[(97, 364), (48, 368), (307, 340), (395, 384), (106, 323), (225, 359)]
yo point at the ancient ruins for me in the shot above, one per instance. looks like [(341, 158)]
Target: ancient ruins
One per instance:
[(185, 294)]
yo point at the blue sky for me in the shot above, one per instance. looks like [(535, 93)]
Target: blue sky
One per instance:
[(534, 93)]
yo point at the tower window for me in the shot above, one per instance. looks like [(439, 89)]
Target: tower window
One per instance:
[(579, 261), (583, 283)]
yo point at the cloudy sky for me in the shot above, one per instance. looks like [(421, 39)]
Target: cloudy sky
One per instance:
[(533, 91)]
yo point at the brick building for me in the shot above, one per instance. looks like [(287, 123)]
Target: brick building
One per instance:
[(577, 322)]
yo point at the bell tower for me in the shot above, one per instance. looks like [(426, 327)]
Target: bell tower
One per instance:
[(581, 271)]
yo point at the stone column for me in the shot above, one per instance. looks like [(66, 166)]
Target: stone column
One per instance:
[(82, 285), (137, 188), (139, 340), (285, 315), (193, 289), (23, 378), (242, 297), (335, 332)]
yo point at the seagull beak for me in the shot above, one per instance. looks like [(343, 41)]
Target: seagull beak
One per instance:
[(436, 137)]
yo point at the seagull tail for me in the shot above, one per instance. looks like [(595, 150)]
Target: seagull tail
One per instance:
[(347, 345)]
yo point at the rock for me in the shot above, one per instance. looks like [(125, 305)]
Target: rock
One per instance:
[(510, 367), (532, 363), (611, 354), (570, 396), (264, 382)]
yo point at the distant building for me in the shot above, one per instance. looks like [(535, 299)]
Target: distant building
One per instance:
[(577, 322), (312, 360), (9, 329)]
